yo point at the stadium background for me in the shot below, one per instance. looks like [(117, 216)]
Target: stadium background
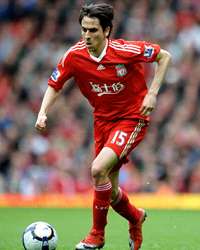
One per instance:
[(34, 34)]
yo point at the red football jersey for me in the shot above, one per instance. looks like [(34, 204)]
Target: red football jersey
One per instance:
[(114, 82)]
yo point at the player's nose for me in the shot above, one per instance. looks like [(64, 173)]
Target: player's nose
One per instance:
[(88, 38), (87, 34)]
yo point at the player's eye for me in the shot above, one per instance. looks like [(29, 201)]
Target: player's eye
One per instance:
[(84, 29), (93, 30)]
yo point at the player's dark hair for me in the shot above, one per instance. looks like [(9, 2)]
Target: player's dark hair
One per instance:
[(102, 11)]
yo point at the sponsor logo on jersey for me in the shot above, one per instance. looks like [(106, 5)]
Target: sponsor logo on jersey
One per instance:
[(100, 67), (107, 89), (121, 70), (148, 51), (55, 75)]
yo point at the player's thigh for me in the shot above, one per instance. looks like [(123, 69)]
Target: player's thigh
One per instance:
[(126, 135), (104, 162)]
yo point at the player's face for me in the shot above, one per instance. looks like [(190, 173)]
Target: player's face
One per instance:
[(93, 35)]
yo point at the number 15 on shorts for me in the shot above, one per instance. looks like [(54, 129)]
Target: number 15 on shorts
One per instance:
[(119, 138)]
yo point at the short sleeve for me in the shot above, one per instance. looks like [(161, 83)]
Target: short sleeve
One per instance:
[(148, 51), (61, 73)]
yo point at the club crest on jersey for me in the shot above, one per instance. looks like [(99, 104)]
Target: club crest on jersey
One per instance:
[(55, 75), (121, 70), (148, 51)]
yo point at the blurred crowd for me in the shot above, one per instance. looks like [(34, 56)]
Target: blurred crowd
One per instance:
[(34, 34)]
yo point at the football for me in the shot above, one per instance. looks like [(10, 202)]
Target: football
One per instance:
[(39, 236)]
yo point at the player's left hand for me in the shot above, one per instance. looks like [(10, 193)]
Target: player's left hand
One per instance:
[(148, 104)]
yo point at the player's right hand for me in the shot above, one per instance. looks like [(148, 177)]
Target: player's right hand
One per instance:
[(41, 122)]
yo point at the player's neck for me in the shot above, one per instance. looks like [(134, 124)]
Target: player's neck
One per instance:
[(99, 50)]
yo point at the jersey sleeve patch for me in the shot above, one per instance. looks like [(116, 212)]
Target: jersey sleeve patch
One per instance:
[(55, 75), (148, 51)]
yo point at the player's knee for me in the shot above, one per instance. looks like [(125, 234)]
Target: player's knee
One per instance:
[(98, 172)]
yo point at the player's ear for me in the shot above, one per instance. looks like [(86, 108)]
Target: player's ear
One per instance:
[(107, 31)]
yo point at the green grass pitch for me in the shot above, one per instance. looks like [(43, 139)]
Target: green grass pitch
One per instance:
[(163, 230)]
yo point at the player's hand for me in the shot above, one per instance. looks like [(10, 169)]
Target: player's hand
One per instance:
[(148, 104), (41, 122)]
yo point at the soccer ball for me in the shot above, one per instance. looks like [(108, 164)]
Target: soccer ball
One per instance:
[(39, 236)]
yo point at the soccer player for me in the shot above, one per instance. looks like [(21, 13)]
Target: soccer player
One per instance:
[(110, 75)]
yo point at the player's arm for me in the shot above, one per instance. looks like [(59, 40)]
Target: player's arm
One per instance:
[(163, 59), (59, 76), (48, 100)]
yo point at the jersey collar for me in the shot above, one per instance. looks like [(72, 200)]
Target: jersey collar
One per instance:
[(103, 53)]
